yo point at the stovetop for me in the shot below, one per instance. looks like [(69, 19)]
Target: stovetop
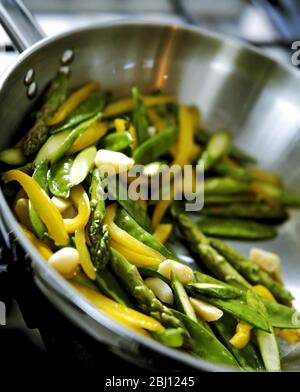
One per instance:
[(52, 340)]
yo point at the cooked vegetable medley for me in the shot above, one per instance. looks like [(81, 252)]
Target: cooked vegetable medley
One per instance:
[(116, 251)]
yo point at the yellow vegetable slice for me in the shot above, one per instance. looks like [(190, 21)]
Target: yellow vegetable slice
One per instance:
[(264, 292), (134, 257), (162, 232), (81, 201), (126, 240), (48, 213), (120, 125), (84, 255), (91, 136), (119, 311), (44, 250), (72, 102), (126, 105)]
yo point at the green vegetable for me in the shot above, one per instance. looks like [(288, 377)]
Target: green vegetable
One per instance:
[(139, 116), (118, 192), (217, 146), (247, 357), (258, 212), (251, 271), (183, 303), (147, 272), (287, 197), (55, 96), (204, 344), (127, 223), (236, 228), (40, 176), (199, 244), (57, 145), (82, 279), (116, 141), (98, 232), (109, 286), (82, 165), (91, 106), (235, 152), (129, 275), (225, 186), (12, 156), (59, 177), (171, 337), (269, 350), (228, 199), (282, 316), (231, 170), (214, 290), (156, 146)]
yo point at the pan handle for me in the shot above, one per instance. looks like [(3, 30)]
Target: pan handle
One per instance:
[(19, 24)]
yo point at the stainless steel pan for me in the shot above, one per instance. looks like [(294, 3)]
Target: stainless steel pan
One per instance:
[(234, 85)]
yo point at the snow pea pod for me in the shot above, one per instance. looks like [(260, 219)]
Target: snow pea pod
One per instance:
[(204, 344), (140, 120), (92, 105), (59, 177), (127, 223), (247, 357), (156, 146), (116, 141)]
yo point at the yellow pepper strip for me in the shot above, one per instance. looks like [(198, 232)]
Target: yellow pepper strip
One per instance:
[(131, 326), (196, 116), (84, 255), (91, 136), (81, 201), (120, 124), (40, 246), (162, 232), (265, 176), (264, 292), (242, 336), (184, 155), (159, 123), (258, 190), (21, 212), (126, 240), (48, 213), (143, 204), (72, 102), (134, 257), (126, 105), (119, 311)]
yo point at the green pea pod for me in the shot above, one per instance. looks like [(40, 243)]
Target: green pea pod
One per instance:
[(57, 145), (147, 272), (40, 176), (116, 141), (82, 279), (92, 105), (140, 120), (118, 192), (229, 199), (13, 156), (282, 316), (247, 357), (108, 285), (236, 228), (127, 223), (183, 303), (214, 290), (204, 344), (82, 165), (59, 177), (156, 146), (225, 186)]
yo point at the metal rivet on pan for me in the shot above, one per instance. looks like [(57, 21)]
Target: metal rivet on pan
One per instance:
[(32, 90), (29, 77), (67, 57)]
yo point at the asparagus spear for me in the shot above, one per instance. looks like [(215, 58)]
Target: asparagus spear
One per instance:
[(250, 271), (199, 244), (55, 96), (236, 228), (217, 146), (229, 199), (258, 212), (129, 275), (99, 237), (225, 186), (140, 120), (235, 152)]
